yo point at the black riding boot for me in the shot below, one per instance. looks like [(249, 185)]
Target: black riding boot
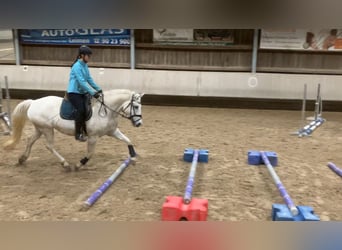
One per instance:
[(84, 129), (78, 132)]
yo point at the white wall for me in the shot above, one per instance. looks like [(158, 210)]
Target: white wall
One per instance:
[(188, 83)]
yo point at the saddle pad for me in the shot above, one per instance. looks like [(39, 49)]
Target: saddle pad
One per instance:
[(68, 112)]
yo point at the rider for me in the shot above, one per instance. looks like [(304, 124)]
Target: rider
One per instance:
[(81, 84)]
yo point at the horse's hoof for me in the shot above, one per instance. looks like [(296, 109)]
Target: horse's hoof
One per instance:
[(133, 160), (22, 159), (78, 166), (66, 166)]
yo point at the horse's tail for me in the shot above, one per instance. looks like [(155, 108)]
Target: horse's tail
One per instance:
[(19, 117)]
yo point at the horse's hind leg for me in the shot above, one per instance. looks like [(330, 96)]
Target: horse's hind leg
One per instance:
[(49, 135), (30, 142)]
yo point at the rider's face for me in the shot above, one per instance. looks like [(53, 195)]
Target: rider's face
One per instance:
[(85, 58)]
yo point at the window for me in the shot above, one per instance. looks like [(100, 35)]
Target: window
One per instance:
[(7, 53)]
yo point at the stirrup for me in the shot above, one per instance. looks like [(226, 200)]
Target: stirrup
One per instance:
[(81, 138)]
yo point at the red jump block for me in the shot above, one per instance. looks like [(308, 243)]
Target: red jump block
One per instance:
[(175, 210)]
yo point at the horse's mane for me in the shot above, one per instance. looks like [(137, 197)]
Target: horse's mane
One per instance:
[(117, 91), (113, 93)]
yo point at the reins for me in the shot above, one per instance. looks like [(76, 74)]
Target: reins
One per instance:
[(121, 112)]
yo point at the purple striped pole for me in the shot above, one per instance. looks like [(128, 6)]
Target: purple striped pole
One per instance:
[(286, 197), (93, 198), (333, 167), (191, 178)]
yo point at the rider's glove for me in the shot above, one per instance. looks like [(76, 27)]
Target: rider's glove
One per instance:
[(97, 95)]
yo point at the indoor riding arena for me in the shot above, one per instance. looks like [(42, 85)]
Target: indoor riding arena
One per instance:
[(41, 189), (235, 112)]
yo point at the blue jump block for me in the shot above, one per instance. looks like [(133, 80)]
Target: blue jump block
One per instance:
[(202, 155), (280, 212), (254, 158)]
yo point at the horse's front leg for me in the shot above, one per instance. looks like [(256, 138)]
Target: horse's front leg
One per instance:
[(90, 151), (119, 135)]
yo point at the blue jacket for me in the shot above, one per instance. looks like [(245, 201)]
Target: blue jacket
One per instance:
[(80, 80)]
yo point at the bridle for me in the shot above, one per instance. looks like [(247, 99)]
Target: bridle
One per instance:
[(132, 113), (122, 110)]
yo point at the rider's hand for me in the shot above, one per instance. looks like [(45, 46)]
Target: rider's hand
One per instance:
[(100, 91), (97, 95)]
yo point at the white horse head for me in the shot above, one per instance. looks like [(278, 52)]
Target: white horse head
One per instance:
[(45, 117)]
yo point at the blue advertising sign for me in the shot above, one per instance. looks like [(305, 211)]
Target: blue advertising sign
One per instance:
[(113, 37)]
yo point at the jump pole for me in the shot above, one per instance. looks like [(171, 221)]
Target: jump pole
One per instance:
[(317, 120), (304, 106), (335, 169), (318, 105), (318, 102), (6, 116), (186, 208), (281, 212), (302, 124), (97, 194), (311, 127), (283, 193), (8, 99)]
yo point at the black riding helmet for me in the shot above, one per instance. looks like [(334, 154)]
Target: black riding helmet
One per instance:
[(84, 50)]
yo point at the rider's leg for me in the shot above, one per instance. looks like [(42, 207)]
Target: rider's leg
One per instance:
[(87, 106), (77, 101), (79, 130), (83, 130), (84, 127)]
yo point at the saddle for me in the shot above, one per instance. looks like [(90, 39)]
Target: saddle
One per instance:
[(68, 112)]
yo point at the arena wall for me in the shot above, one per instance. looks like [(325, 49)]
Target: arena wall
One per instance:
[(186, 83), (238, 85)]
